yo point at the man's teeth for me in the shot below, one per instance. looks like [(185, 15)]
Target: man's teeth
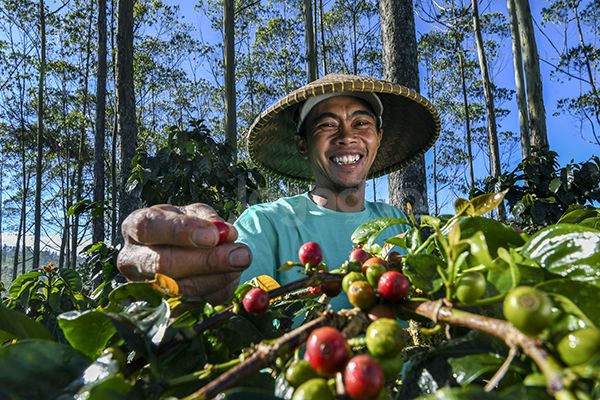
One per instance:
[(344, 160)]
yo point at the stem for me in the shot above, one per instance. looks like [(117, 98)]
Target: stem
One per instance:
[(313, 280), (531, 346), (512, 352), (264, 355), (206, 373)]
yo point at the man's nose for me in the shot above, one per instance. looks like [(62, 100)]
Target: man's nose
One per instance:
[(346, 134)]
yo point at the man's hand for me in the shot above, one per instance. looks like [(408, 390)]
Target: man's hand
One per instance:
[(183, 243)]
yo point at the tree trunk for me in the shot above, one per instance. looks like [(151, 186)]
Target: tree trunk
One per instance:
[(230, 100), (114, 186), (98, 221), (533, 80), (82, 137), (489, 104), (39, 140), (323, 47), (461, 66), (1, 212), (309, 41), (519, 80), (400, 65), (127, 124)]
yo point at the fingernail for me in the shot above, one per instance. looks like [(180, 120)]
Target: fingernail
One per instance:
[(239, 257), (203, 237)]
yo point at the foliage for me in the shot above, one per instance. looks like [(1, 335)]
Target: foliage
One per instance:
[(540, 191), (192, 167), (578, 58), (147, 341)]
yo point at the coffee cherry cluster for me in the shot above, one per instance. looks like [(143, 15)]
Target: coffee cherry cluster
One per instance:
[(370, 280), (364, 375)]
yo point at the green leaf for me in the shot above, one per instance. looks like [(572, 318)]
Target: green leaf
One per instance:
[(519, 391), (578, 298), (14, 324), (428, 370), (554, 185), (428, 220), (87, 331), (122, 296), (471, 367), (479, 253), (578, 215), (496, 233), (487, 202), (113, 388), (397, 241), (72, 278), (567, 250), (463, 206), (422, 271), (369, 231), (461, 393), (39, 369), (502, 276), (23, 282), (243, 393)]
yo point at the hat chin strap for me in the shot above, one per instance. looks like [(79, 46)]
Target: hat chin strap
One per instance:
[(312, 102)]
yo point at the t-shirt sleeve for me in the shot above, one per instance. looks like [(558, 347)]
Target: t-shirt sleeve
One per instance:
[(257, 232)]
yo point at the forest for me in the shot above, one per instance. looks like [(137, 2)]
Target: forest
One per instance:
[(108, 106)]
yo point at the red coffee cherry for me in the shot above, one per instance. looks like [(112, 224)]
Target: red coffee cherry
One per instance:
[(326, 350), (363, 378), (256, 301), (223, 231), (358, 254), (310, 253), (393, 286)]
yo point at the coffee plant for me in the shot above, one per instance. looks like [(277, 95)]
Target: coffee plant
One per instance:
[(472, 310), (540, 191), (193, 167)]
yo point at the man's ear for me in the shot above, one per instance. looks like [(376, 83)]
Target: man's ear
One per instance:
[(301, 145), (379, 136)]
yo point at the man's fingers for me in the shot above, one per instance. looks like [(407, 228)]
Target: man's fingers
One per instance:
[(168, 225), (215, 289), (138, 262)]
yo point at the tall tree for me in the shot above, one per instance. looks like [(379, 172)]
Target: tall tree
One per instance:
[(127, 124), (400, 65), (39, 141), (98, 229), (309, 42), (533, 78), (519, 80), (230, 101), (489, 103), (82, 134)]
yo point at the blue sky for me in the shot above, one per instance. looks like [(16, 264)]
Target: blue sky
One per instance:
[(563, 130)]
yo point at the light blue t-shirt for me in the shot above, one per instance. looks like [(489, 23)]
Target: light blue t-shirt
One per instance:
[(275, 231)]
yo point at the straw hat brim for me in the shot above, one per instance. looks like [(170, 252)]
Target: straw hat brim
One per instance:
[(410, 127)]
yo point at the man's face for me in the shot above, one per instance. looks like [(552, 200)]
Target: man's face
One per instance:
[(341, 142)]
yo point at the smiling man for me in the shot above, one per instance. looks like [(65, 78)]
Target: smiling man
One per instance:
[(335, 132)]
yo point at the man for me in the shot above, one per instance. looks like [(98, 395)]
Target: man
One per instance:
[(336, 132)]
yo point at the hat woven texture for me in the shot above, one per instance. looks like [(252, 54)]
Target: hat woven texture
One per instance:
[(410, 127)]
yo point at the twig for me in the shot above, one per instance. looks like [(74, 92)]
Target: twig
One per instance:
[(531, 346), (313, 280), (265, 354), (502, 370)]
